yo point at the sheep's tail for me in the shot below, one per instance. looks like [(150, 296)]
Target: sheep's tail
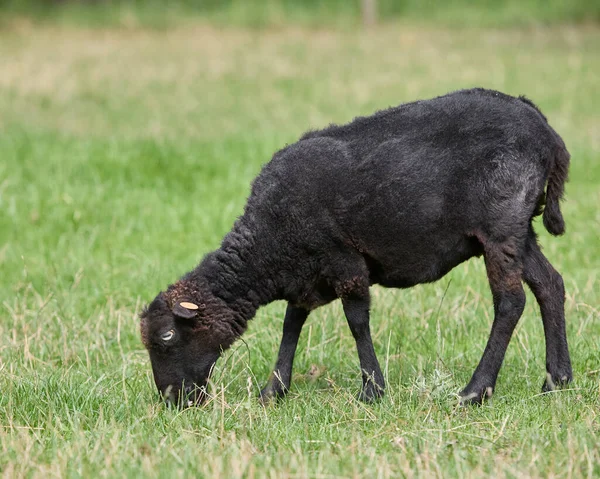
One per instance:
[(559, 170)]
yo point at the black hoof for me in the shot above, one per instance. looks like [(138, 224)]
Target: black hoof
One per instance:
[(476, 396), (370, 393), (556, 381), (270, 394)]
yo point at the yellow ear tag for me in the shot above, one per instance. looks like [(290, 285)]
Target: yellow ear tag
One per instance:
[(187, 305)]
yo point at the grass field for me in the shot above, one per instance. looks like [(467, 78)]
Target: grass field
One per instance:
[(125, 156)]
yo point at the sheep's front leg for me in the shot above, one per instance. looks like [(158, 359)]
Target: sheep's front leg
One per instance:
[(357, 314), (279, 382)]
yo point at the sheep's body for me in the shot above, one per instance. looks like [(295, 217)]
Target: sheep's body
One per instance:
[(405, 193), (398, 198)]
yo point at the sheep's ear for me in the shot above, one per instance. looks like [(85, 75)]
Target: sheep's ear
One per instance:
[(185, 310)]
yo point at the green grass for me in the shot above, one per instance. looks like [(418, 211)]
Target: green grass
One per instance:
[(126, 155)]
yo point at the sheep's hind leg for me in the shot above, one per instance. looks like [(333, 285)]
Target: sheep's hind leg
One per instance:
[(547, 286), (279, 382), (504, 270), (357, 314)]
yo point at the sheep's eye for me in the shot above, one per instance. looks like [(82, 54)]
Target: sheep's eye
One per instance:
[(168, 335)]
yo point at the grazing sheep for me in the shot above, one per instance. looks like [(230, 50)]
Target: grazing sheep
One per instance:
[(398, 198)]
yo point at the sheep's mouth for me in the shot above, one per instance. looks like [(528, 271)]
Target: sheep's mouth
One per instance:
[(189, 396)]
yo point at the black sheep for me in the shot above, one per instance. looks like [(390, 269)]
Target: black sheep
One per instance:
[(398, 198)]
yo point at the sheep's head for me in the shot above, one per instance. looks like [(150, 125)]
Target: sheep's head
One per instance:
[(184, 338)]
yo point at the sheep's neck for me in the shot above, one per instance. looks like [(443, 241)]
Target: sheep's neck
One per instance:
[(239, 274)]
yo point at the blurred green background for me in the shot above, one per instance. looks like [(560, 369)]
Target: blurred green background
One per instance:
[(323, 13), (130, 133)]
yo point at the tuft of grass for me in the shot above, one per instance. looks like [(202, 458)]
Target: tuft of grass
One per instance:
[(127, 155)]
